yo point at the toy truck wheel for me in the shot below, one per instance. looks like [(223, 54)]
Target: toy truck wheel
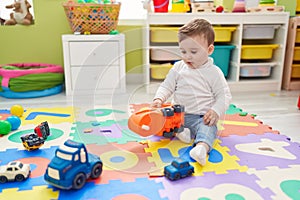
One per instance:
[(168, 112), (79, 181), (168, 134), (178, 108), (97, 170), (178, 130), (189, 173), (3, 179), (30, 144), (177, 176), (167, 174), (19, 178)]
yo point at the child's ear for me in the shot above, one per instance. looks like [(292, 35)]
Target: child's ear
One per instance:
[(211, 49)]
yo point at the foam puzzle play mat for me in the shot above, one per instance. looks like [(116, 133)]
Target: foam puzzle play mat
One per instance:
[(249, 160)]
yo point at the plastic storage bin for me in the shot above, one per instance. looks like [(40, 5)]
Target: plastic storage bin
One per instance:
[(223, 34), (160, 71), (259, 31), (264, 51), (256, 69), (169, 34), (222, 57), (164, 34), (296, 71), (165, 54), (297, 40), (296, 53)]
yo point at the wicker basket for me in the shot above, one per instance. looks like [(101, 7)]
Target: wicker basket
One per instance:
[(92, 18)]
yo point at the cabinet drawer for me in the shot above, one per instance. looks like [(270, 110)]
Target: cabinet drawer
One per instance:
[(256, 69), (297, 40), (160, 71), (295, 71), (170, 34), (165, 54), (95, 78), (259, 31), (164, 34), (94, 53), (296, 54), (258, 51)]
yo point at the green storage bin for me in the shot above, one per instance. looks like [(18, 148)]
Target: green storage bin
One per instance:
[(222, 57)]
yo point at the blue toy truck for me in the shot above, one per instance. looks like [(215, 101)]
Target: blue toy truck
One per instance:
[(178, 169), (72, 165)]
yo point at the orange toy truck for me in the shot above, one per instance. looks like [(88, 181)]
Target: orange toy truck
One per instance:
[(163, 121)]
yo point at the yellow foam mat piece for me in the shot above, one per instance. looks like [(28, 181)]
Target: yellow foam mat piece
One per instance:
[(228, 163), (173, 145), (51, 119), (237, 123), (37, 192)]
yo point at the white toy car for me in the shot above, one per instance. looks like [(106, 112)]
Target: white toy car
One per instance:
[(14, 171)]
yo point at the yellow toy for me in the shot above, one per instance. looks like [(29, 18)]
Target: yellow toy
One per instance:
[(180, 6), (21, 14), (17, 110)]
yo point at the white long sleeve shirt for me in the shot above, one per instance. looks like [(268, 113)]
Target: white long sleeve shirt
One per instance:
[(198, 89)]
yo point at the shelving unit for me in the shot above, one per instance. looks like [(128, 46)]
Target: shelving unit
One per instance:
[(240, 21), (291, 75), (94, 64)]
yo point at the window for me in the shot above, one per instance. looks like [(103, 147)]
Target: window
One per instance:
[(20, 165), (76, 157), (82, 155), (132, 9)]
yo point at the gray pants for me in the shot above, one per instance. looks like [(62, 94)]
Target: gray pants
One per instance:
[(199, 131)]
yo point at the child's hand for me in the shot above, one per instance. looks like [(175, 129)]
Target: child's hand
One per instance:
[(157, 103), (211, 118)]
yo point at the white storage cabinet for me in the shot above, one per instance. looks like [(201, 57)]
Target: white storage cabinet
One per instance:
[(94, 64), (258, 29)]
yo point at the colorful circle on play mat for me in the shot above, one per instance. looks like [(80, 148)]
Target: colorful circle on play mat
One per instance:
[(234, 196), (215, 156), (129, 196), (101, 112), (291, 188), (5, 127), (54, 134), (14, 121), (38, 165), (17, 110), (119, 160), (96, 123), (98, 112)]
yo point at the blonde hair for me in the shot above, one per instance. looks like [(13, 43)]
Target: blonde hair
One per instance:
[(199, 27)]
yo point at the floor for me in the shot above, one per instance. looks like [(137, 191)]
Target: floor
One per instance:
[(132, 163), (277, 109)]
